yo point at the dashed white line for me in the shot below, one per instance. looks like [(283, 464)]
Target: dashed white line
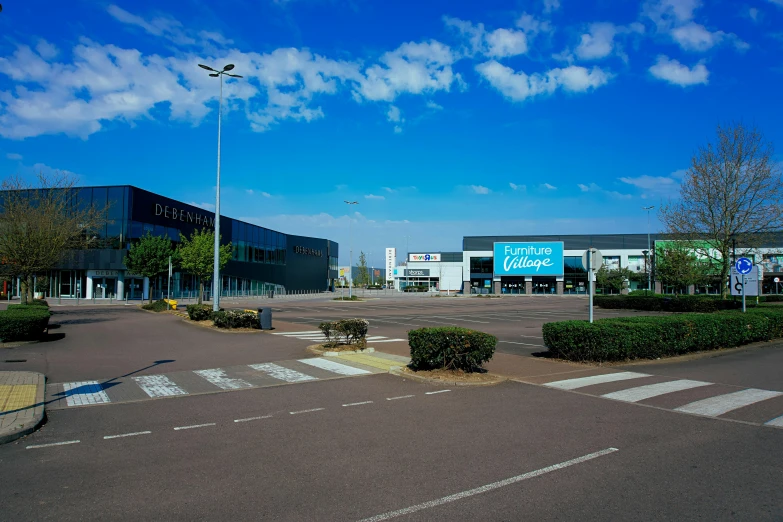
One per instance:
[(439, 391), (305, 411), (195, 426), (126, 435), (248, 419), (35, 446), (525, 344), (357, 403), (400, 397), (488, 487)]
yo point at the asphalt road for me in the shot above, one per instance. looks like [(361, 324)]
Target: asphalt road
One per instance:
[(402, 457)]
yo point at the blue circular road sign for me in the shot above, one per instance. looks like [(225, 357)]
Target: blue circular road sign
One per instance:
[(744, 265)]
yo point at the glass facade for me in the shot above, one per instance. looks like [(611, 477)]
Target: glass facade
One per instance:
[(254, 244), (481, 265)]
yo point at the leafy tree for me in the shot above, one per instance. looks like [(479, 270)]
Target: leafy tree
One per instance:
[(149, 257), (612, 279), (40, 222), (678, 266), (362, 273), (197, 256), (732, 192)]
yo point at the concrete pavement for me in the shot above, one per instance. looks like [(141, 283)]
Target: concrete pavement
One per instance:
[(21, 404)]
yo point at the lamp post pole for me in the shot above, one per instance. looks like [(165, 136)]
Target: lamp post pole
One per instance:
[(350, 249), (649, 278), (407, 257), (216, 270)]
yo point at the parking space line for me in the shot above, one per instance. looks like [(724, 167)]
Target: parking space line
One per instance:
[(525, 344), (107, 437), (439, 391), (357, 403), (36, 446), (488, 487), (305, 411), (400, 397), (248, 419), (194, 426)]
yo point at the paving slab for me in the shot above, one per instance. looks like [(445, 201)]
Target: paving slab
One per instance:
[(21, 404)]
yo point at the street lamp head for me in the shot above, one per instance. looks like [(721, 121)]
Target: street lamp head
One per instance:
[(233, 75), (207, 67), (351, 202), (228, 67), (648, 208), (214, 75)]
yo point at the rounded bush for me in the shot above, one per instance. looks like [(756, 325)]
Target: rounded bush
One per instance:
[(199, 312), (23, 324), (235, 319), (450, 348)]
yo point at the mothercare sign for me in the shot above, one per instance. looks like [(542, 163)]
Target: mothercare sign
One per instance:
[(529, 259)]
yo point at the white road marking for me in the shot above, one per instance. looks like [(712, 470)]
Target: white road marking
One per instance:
[(390, 341), (439, 391), (775, 422), (459, 319), (195, 426), (217, 376), (158, 386), (35, 446), (400, 397), (126, 435), (334, 367), (298, 333), (305, 411), (84, 392), (357, 403), (284, 374), (654, 390), (572, 384), (253, 418), (525, 344), (533, 336), (488, 487), (721, 404)]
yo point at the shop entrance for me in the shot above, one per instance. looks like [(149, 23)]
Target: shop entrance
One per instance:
[(512, 285), (104, 287), (134, 288), (544, 285)]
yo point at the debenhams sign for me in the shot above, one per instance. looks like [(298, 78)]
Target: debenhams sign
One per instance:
[(307, 251), (184, 216)]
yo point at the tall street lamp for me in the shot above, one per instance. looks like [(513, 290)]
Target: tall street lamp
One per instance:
[(649, 279), (407, 257), (350, 249), (216, 275)]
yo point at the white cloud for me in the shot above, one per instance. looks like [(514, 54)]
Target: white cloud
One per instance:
[(14, 156), (46, 50), (776, 2), (500, 43), (162, 26), (514, 186), (551, 5), (532, 26), (676, 18), (696, 37), (548, 186), (394, 114), (205, 206), (373, 196), (583, 188), (478, 189), (592, 187), (519, 86), (598, 43), (389, 190), (266, 194), (249, 191), (434, 106), (674, 72), (657, 186)]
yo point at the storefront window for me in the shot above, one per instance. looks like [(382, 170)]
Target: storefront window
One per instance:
[(481, 265)]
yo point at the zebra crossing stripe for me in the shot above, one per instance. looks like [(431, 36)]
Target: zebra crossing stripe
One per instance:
[(653, 390), (778, 423), (217, 376), (581, 382), (721, 404), (334, 367), (388, 341), (158, 386), (299, 333), (284, 374), (83, 393)]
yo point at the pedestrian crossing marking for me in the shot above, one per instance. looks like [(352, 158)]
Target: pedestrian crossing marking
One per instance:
[(217, 376), (581, 382), (317, 335), (329, 365), (714, 406), (654, 390), (84, 392), (158, 386), (282, 373), (775, 422), (374, 362)]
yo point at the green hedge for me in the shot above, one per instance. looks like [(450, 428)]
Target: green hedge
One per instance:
[(347, 331), (235, 319), (661, 303), (23, 324), (199, 312), (450, 347), (625, 338), (416, 288), (158, 306)]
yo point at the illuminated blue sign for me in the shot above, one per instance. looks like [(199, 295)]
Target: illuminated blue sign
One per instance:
[(529, 259)]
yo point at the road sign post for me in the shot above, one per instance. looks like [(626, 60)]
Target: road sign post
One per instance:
[(744, 266), (592, 261)]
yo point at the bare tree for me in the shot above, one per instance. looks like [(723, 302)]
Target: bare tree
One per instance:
[(39, 222), (731, 192)]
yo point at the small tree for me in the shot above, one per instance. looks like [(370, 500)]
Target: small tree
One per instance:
[(732, 192), (39, 223), (197, 256), (149, 257), (362, 274), (612, 279), (678, 266)]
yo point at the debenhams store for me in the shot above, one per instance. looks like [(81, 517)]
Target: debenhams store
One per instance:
[(263, 260)]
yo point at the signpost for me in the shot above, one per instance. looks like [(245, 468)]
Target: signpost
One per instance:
[(744, 266), (592, 260)]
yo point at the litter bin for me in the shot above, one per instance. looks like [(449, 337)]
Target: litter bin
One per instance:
[(265, 318)]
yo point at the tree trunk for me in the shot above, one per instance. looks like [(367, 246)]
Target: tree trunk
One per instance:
[(152, 290), (200, 290), (30, 289), (23, 290)]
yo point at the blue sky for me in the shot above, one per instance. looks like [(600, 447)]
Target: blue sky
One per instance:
[(441, 118)]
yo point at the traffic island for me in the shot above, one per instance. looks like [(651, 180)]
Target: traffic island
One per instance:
[(21, 404), (449, 377)]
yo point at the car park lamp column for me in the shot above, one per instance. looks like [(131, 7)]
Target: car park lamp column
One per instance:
[(350, 250), (649, 274), (216, 275)]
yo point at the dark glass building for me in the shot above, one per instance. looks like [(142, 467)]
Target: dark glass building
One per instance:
[(262, 260)]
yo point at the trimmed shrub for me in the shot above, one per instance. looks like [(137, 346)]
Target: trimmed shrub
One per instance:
[(346, 298), (625, 338), (416, 288), (450, 347), (345, 331), (27, 307), (235, 319), (158, 306), (774, 298), (661, 303), (199, 312), (23, 324)]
